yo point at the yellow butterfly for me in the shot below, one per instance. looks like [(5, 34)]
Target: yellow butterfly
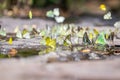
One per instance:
[(103, 7), (96, 32), (24, 31), (50, 42), (10, 40), (90, 36), (30, 14)]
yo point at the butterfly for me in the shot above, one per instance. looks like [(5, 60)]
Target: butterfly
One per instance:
[(111, 36), (42, 32), (26, 35), (10, 40), (117, 24), (3, 32), (50, 42), (67, 40), (34, 31), (96, 32), (50, 14), (103, 7), (48, 29), (80, 33), (86, 39), (107, 33), (107, 16), (90, 36), (101, 39), (16, 29), (56, 11), (59, 19), (30, 14), (24, 31), (19, 34)]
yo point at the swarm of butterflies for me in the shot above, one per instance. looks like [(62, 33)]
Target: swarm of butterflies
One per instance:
[(64, 34)]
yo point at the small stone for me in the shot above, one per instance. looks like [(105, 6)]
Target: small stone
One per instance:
[(12, 52)]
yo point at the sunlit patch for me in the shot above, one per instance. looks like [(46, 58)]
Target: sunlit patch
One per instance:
[(103, 7)]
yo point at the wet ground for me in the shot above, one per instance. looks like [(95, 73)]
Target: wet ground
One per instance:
[(35, 67)]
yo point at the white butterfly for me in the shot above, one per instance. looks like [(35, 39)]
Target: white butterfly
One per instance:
[(42, 32), (3, 32), (50, 14), (19, 34), (16, 29), (56, 12), (107, 16), (59, 19), (117, 24), (26, 35)]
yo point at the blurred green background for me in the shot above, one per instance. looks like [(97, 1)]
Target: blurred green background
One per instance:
[(67, 7)]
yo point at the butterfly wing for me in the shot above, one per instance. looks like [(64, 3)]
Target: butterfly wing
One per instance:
[(59, 19), (19, 34), (3, 32), (56, 12), (107, 16), (86, 39), (30, 14), (26, 35), (50, 14), (101, 39)]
